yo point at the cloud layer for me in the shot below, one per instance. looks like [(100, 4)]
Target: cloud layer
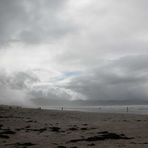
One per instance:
[(68, 50)]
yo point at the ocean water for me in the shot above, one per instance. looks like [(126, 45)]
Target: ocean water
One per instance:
[(131, 109)]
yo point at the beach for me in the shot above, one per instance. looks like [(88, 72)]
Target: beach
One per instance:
[(38, 128)]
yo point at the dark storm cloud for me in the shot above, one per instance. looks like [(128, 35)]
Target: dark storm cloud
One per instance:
[(23, 88), (14, 88), (21, 80), (31, 21), (12, 17), (134, 63), (124, 78), (18, 80)]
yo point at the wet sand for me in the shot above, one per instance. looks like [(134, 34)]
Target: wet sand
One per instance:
[(37, 128)]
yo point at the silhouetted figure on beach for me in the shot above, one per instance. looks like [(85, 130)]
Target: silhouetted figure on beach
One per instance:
[(127, 109)]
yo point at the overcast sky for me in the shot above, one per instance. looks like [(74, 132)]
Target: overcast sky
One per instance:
[(69, 50)]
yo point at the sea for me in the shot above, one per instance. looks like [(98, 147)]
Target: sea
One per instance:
[(130, 109)]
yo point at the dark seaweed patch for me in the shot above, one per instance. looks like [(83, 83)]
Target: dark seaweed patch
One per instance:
[(91, 144), (60, 146), (1, 126), (73, 129), (105, 135), (55, 129), (37, 130), (5, 132), (83, 128), (4, 136), (24, 144)]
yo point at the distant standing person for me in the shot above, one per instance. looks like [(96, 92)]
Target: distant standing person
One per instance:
[(127, 109)]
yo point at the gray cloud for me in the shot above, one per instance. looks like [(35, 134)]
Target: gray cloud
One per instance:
[(109, 29), (24, 88), (106, 41), (121, 79), (124, 78), (31, 21), (14, 88)]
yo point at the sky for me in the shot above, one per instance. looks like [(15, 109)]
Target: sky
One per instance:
[(73, 50)]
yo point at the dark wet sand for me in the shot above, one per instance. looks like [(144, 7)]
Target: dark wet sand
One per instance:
[(36, 128)]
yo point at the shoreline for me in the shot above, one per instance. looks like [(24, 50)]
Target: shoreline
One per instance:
[(79, 109)]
